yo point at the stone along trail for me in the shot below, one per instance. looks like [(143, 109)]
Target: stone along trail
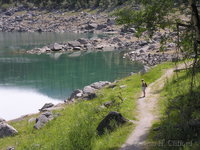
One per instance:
[(146, 114)]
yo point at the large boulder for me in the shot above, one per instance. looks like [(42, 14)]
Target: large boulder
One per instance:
[(89, 92), (56, 47), (2, 120), (74, 44), (45, 49), (6, 130), (89, 89), (43, 119), (107, 122)]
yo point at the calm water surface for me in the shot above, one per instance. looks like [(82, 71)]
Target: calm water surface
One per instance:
[(28, 81)]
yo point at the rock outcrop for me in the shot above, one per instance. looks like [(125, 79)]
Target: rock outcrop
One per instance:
[(107, 122), (43, 119), (88, 92), (6, 129)]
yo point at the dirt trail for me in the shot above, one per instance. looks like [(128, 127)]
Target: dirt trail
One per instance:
[(146, 114)]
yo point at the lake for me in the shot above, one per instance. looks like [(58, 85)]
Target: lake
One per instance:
[(28, 81)]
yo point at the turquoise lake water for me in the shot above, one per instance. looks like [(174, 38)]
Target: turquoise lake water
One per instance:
[(52, 77)]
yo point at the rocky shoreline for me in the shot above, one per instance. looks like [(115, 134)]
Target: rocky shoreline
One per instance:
[(22, 19), (144, 51)]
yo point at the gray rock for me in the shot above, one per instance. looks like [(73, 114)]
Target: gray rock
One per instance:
[(89, 96), (152, 47), (7, 130), (131, 73), (43, 119), (100, 84), (132, 30), (88, 89), (105, 124), (44, 49), (2, 120), (18, 18), (11, 148), (99, 47), (47, 105), (110, 22), (101, 26), (89, 92), (145, 70), (48, 114), (171, 45), (9, 13), (77, 48), (91, 26), (32, 120), (56, 47), (143, 43), (83, 41), (76, 94), (74, 44), (39, 30), (123, 86), (109, 103), (116, 40), (112, 85)]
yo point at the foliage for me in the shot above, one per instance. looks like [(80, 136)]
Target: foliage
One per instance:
[(70, 4), (150, 16)]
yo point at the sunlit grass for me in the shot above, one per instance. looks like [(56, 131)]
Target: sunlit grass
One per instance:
[(178, 107)]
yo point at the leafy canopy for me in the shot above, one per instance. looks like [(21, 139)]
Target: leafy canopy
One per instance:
[(150, 15)]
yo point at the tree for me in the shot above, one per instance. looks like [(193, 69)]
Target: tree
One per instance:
[(154, 15)]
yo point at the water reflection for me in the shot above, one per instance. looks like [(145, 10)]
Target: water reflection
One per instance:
[(52, 76), (16, 102), (22, 41), (58, 77)]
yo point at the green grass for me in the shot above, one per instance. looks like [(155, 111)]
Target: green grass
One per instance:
[(75, 128), (178, 108)]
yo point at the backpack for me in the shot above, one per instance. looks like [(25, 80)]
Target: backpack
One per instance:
[(145, 84)]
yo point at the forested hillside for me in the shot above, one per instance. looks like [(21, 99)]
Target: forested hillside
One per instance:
[(70, 4)]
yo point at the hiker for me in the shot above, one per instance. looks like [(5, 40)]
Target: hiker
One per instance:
[(144, 86)]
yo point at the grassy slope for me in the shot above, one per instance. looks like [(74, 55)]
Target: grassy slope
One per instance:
[(178, 107), (75, 129)]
